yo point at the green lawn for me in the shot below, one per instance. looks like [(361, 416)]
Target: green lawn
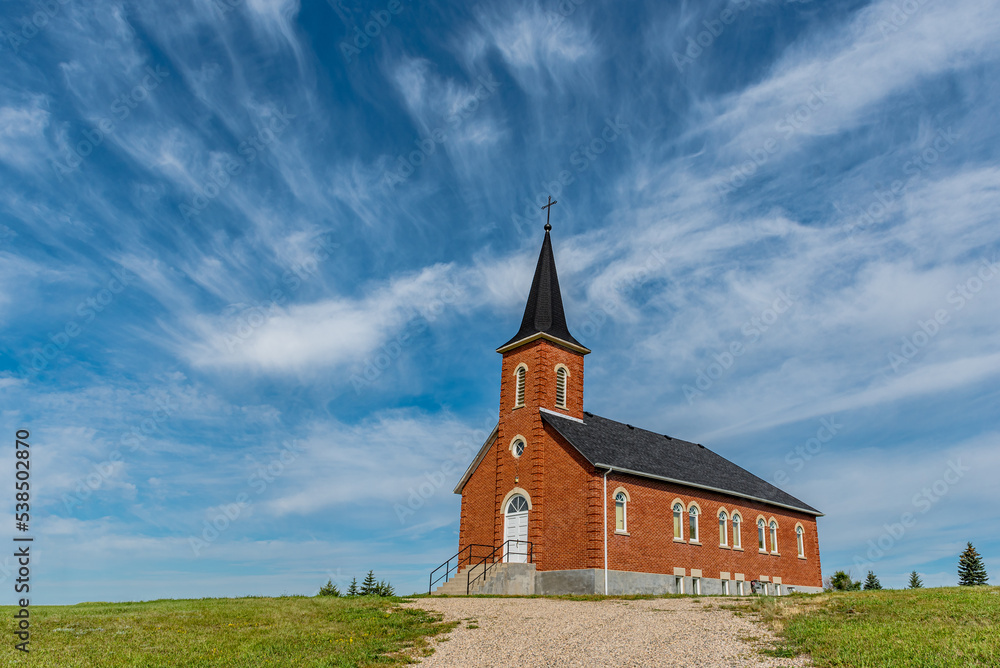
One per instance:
[(911, 628), (287, 631)]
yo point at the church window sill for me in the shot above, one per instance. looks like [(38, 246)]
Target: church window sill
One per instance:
[(694, 542), (622, 533), (724, 547)]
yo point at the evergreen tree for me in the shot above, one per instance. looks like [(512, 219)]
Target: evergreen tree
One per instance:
[(871, 582), (370, 586), (329, 589), (385, 589), (841, 581), (353, 589), (971, 570), (915, 581)]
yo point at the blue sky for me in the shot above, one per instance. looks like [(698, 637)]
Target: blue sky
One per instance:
[(255, 265)]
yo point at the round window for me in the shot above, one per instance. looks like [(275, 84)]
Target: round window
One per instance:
[(518, 448)]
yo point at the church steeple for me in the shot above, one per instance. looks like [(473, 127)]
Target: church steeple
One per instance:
[(543, 314)]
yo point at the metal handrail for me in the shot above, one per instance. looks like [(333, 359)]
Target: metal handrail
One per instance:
[(489, 561), (458, 565)]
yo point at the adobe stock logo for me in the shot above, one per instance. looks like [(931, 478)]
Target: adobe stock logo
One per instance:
[(923, 501), (752, 331)]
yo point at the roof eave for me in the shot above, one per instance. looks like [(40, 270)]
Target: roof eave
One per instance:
[(707, 487), (475, 462), (548, 337)]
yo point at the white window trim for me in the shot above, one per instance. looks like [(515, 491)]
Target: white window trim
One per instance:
[(565, 385), (520, 389), (737, 532), (772, 530), (696, 586), (800, 541), (624, 492), (515, 440), (510, 494), (679, 583), (723, 529), (725, 587), (696, 538), (678, 522)]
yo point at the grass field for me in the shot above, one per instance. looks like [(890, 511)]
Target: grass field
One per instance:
[(287, 631), (911, 628), (923, 628)]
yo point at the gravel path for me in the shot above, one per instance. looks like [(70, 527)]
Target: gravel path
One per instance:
[(553, 632)]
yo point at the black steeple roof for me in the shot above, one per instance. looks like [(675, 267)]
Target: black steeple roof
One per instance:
[(543, 314)]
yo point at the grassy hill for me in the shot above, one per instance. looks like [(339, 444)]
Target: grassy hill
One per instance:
[(923, 628), (909, 628), (287, 631)]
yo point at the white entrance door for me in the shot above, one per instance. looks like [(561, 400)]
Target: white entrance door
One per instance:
[(516, 530)]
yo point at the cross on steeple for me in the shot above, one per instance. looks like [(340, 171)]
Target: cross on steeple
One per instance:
[(548, 212)]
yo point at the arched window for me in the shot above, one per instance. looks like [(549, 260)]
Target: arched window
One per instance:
[(693, 524), (517, 446), (737, 538), (678, 521), (761, 536), (800, 541), (522, 372), (561, 386), (517, 504), (774, 536), (723, 529), (621, 512)]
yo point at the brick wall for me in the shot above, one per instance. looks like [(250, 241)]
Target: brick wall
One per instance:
[(650, 545)]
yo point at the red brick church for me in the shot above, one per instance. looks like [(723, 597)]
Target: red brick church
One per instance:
[(560, 500)]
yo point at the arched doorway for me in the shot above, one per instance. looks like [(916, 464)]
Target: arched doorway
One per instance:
[(515, 529)]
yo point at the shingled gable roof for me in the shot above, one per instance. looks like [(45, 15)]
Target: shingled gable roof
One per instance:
[(609, 444), (543, 314)]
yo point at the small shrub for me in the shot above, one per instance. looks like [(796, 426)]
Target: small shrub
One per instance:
[(842, 581), (329, 589)]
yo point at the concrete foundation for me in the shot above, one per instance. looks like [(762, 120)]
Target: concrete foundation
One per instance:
[(591, 581), (510, 579)]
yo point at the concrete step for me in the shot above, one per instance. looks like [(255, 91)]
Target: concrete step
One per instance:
[(458, 584)]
